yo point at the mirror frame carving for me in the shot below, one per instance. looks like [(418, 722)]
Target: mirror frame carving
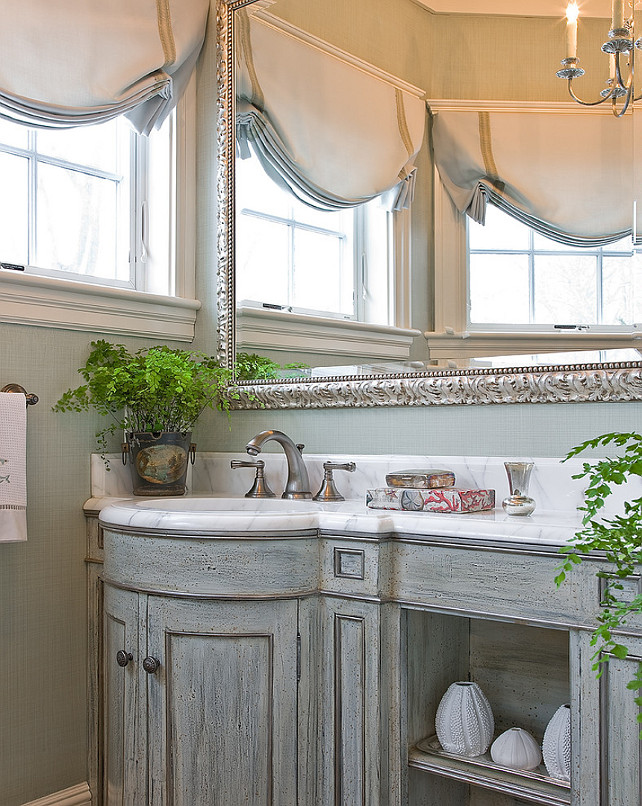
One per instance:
[(572, 383)]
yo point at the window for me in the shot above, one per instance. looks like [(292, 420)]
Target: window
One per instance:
[(519, 277), (293, 257), (502, 289), (319, 283), (65, 207), (90, 232)]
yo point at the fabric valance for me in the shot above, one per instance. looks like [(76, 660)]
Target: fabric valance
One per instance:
[(567, 174), (76, 62), (334, 133)]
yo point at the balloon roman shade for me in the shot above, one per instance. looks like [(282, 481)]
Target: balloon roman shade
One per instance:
[(335, 134), (75, 62), (568, 175)]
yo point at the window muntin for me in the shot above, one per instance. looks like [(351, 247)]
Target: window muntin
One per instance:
[(517, 277)]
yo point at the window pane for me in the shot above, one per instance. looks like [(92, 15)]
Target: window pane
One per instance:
[(624, 245), (319, 283), (262, 260), (501, 231), (95, 146), (13, 134), (255, 189), (499, 289), (565, 289), (14, 210), (77, 224), (622, 290)]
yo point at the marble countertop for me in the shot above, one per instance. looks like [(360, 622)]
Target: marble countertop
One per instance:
[(244, 518)]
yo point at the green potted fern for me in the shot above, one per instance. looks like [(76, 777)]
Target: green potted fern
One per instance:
[(155, 396)]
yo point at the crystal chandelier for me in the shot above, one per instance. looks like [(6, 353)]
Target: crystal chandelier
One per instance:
[(620, 46)]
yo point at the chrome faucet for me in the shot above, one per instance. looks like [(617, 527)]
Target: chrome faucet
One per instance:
[(298, 484)]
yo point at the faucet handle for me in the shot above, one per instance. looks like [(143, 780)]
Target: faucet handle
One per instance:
[(328, 491), (260, 488)]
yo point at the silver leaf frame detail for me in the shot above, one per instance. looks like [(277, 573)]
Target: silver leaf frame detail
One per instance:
[(576, 383), (581, 383)]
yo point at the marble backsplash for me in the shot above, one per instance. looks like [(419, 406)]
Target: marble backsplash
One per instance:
[(551, 485)]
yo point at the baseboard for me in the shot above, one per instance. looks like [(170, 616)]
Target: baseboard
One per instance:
[(78, 795)]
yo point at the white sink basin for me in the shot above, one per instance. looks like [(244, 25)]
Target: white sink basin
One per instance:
[(210, 514), (255, 506)]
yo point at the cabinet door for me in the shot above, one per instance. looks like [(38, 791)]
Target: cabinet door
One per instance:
[(350, 703), (621, 745), (124, 737), (222, 718)]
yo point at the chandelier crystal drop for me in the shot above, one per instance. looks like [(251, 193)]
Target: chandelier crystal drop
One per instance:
[(620, 47)]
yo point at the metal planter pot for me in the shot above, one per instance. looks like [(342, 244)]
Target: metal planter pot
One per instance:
[(158, 461)]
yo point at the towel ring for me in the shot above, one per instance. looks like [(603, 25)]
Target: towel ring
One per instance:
[(15, 387)]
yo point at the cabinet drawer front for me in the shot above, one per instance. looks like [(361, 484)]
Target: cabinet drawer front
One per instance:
[(494, 583), (216, 566)]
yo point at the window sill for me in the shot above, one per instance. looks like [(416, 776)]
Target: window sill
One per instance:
[(258, 329), (27, 299), (444, 346)]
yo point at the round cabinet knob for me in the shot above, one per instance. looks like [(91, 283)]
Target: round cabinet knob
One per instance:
[(150, 665), (123, 658)]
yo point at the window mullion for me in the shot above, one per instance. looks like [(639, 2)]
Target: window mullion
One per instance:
[(291, 257), (360, 266), (531, 276), (138, 200), (599, 279), (32, 195)]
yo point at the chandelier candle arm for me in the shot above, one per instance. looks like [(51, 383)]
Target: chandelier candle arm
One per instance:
[(621, 40)]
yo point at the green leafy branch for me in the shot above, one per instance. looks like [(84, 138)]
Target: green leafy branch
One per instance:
[(619, 538), (253, 367)]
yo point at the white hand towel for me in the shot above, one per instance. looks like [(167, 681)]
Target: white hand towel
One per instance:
[(13, 467)]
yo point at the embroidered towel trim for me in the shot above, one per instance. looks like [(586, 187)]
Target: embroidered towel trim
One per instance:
[(13, 467)]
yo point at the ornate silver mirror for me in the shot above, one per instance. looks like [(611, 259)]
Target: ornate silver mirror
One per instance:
[(391, 364)]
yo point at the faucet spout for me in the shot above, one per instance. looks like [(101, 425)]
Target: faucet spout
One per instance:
[(298, 483)]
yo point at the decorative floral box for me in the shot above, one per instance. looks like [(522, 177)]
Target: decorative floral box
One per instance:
[(446, 499)]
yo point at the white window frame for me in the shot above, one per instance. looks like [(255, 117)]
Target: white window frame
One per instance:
[(453, 338), (45, 301), (260, 329)]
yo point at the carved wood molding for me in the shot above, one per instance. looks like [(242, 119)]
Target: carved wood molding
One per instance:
[(580, 383)]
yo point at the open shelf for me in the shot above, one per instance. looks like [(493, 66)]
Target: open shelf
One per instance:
[(528, 785), (524, 672)]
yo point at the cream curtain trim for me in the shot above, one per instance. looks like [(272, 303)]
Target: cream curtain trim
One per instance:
[(73, 62)]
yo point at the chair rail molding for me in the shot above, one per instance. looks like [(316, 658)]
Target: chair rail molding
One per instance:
[(78, 795)]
